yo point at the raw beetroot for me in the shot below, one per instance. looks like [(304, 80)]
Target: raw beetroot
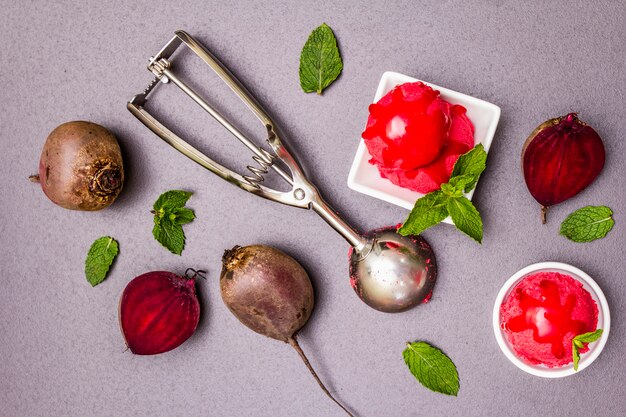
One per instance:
[(159, 311), (560, 158), (81, 166), (269, 292)]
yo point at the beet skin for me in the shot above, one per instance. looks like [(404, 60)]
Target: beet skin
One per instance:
[(81, 166), (266, 290)]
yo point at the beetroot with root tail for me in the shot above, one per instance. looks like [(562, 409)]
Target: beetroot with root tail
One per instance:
[(269, 292), (560, 158), (159, 311)]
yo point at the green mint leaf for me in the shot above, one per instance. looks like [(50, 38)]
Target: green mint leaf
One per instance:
[(465, 217), (320, 62), (450, 190), (181, 215), (588, 223), (589, 337), (99, 259), (579, 341), (575, 356), (432, 368), (169, 216), (428, 211), (171, 199), (460, 182), (169, 234), (472, 164), (450, 200)]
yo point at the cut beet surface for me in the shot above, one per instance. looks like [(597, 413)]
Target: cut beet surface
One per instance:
[(158, 312), (560, 158)]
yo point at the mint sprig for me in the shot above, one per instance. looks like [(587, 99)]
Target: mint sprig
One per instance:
[(450, 200), (320, 62), (588, 223), (465, 217), (432, 368), (170, 214), (579, 342), (101, 255)]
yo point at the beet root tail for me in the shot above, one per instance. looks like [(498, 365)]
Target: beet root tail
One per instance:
[(544, 214), (294, 343)]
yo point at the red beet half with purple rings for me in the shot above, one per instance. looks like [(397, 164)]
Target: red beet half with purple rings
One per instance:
[(560, 158), (159, 311)]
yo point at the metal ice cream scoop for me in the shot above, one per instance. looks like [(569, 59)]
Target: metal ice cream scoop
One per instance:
[(389, 272)]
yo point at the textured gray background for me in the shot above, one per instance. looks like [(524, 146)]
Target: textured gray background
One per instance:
[(62, 352)]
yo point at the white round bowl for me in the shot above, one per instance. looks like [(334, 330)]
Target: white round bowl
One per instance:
[(604, 319)]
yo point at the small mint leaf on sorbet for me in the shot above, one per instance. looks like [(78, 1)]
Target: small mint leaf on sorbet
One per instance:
[(589, 337), (575, 357), (320, 61), (169, 216), (428, 211), (432, 368), (99, 259), (579, 341), (588, 223), (471, 164)]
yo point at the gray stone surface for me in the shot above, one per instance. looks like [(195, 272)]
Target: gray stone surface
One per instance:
[(62, 353)]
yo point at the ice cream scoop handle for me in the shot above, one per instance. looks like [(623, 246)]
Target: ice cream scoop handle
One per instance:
[(332, 218)]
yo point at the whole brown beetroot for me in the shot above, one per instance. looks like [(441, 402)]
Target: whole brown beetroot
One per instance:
[(266, 290), (269, 292), (81, 166)]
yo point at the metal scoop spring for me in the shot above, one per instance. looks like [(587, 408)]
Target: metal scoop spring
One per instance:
[(303, 193)]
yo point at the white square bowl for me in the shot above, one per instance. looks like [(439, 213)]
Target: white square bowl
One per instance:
[(365, 178)]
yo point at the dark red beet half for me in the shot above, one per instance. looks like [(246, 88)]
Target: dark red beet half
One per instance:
[(560, 158), (158, 312)]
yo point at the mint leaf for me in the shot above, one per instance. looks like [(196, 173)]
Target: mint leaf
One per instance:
[(579, 341), (589, 337), (465, 217), (450, 190), (450, 200), (428, 211), (588, 224), (432, 368), (575, 356), (169, 216), (471, 164), (320, 62), (172, 199), (170, 235), (182, 215), (461, 182), (99, 259)]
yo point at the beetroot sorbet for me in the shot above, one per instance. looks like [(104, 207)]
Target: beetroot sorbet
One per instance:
[(415, 137), (543, 313)]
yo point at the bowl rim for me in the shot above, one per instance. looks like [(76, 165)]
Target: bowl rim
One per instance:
[(603, 316)]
